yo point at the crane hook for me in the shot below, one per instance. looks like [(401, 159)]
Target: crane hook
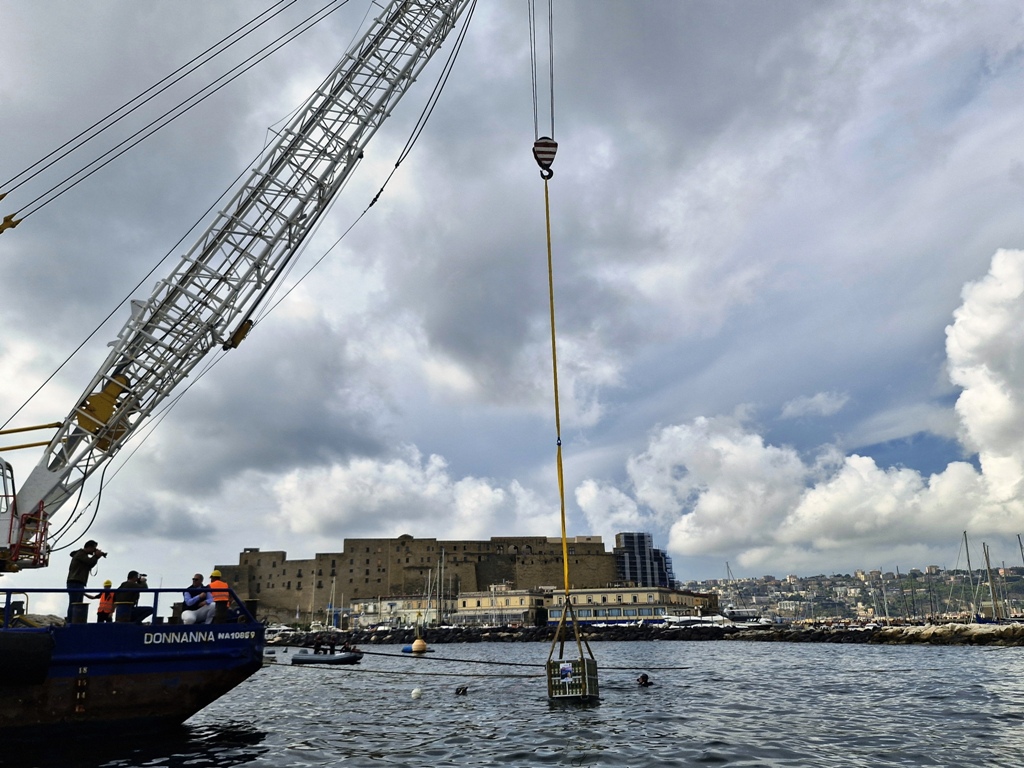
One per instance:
[(544, 150)]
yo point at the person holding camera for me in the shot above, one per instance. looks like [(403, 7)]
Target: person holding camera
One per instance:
[(82, 562), (129, 592)]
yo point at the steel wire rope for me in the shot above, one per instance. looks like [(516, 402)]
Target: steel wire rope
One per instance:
[(146, 431), (149, 274), (407, 149), (154, 90), (142, 435), (121, 303), (532, 19), (170, 115), (417, 131)]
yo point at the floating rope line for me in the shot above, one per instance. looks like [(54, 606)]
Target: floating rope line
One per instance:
[(404, 656), (351, 669)]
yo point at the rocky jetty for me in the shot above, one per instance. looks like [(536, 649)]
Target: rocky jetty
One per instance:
[(930, 634)]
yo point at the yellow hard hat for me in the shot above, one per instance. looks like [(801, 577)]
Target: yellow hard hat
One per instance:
[(108, 583), (214, 574)]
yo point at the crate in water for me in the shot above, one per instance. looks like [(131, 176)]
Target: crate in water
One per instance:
[(572, 679)]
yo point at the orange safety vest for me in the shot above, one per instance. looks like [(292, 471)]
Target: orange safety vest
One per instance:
[(220, 591), (106, 601)]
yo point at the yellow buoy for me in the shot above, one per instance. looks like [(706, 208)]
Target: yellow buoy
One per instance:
[(419, 645)]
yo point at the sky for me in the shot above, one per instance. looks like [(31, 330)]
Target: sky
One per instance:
[(788, 259)]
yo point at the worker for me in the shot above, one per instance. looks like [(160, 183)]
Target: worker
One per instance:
[(221, 596), (82, 561), (644, 681), (105, 610)]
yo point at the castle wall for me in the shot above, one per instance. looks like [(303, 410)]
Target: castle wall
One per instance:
[(367, 569)]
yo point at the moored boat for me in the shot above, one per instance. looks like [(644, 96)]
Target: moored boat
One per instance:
[(344, 657)]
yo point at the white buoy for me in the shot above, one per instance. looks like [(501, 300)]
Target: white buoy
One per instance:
[(417, 692)]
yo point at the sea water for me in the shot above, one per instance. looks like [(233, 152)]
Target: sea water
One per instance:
[(712, 703)]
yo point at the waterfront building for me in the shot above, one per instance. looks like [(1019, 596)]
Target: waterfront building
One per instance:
[(630, 604), (638, 562), (502, 606)]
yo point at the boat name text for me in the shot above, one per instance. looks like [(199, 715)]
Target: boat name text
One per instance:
[(197, 636)]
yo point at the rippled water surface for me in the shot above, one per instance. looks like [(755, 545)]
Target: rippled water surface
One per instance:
[(713, 703)]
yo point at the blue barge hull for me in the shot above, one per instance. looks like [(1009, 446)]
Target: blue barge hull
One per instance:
[(82, 677)]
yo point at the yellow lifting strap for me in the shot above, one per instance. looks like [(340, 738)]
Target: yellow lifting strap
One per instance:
[(544, 153)]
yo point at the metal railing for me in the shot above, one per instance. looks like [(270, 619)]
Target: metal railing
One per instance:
[(16, 603)]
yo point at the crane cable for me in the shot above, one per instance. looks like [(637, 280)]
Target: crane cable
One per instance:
[(73, 180), (120, 113), (148, 428), (544, 149)]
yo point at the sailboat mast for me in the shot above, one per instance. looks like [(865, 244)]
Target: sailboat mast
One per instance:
[(312, 597), (885, 600), (970, 575), (440, 590), (991, 583)]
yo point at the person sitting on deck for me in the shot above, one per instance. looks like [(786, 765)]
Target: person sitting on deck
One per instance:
[(129, 592), (198, 603)]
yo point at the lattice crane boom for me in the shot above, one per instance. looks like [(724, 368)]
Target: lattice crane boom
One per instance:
[(208, 301)]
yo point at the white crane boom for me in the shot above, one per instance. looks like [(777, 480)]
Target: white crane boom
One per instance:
[(210, 297)]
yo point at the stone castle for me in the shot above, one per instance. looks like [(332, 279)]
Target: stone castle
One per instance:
[(371, 569)]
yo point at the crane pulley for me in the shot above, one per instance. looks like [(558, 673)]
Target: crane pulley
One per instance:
[(210, 297)]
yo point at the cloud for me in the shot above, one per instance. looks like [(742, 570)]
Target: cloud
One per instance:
[(408, 493), (985, 347), (719, 489), (820, 404)]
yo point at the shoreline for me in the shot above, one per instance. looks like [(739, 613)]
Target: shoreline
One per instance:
[(1006, 635)]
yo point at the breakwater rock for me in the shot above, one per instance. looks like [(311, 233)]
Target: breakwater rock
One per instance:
[(930, 634)]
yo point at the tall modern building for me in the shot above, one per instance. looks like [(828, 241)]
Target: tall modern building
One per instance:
[(637, 561)]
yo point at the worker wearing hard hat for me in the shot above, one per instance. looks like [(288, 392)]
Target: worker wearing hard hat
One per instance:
[(105, 610), (221, 596)]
